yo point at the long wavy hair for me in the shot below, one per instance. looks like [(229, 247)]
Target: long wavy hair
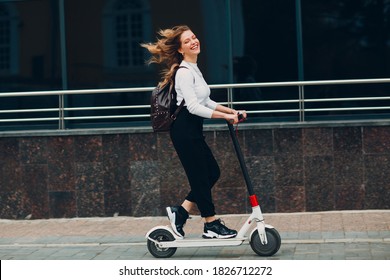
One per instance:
[(165, 51)]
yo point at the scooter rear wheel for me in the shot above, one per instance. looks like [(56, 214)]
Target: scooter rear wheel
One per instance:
[(269, 249), (156, 250)]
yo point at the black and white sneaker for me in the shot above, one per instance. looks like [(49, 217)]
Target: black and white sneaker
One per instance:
[(217, 229), (178, 216)]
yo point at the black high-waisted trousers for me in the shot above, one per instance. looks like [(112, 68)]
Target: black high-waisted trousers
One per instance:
[(201, 168)]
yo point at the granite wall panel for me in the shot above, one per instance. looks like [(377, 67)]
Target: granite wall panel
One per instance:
[(261, 172), (118, 203), (62, 204), (319, 182), (376, 150), (258, 143), (61, 164), (116, 162), (347, 140), (139, 174), (376, 140), (90, 203), (376, 181), (34, 184), (261, 167), (317, 141)]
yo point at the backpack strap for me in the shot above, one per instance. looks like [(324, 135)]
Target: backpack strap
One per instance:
[(174, 115)]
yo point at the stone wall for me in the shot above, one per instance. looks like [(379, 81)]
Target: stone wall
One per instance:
[(137, 174)]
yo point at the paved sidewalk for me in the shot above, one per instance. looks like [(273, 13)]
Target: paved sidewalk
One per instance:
[(363, 235)]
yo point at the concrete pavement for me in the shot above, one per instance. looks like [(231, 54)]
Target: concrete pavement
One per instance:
[(346, 235)]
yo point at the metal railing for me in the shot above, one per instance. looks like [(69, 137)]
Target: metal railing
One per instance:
[(293, 103)]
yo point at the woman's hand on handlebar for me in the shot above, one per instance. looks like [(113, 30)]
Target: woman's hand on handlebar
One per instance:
[(231, 118), (243, 115), (230, 115), (236, 117)]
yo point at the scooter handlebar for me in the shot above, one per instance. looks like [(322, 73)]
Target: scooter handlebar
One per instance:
[(240, 117)]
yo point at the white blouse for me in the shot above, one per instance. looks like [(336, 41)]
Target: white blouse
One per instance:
[(190, 85)]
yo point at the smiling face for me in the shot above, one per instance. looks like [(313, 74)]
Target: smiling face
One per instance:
[(190, 46)]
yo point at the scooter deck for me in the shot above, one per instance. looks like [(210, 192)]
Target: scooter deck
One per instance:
[(199, 242)]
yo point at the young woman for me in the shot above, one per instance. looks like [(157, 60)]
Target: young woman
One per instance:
[(179, 46)]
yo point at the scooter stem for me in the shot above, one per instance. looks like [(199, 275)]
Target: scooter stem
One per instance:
[(241, 159)]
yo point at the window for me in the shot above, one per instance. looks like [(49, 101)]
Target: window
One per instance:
[(126, 24)]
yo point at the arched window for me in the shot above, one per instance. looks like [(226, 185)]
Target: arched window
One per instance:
[(8, 40), (127, 23)]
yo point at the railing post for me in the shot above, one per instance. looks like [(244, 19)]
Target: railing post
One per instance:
[(61, 112), (230, 97), (301, 103)]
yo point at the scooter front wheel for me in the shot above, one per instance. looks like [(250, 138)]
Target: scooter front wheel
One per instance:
[(272, 246), (160, 235)]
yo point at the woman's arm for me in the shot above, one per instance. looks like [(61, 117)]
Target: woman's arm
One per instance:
[(229, 114)]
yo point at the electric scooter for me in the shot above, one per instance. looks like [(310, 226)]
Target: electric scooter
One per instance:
[(264, 239)]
